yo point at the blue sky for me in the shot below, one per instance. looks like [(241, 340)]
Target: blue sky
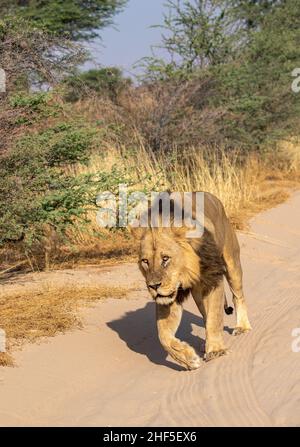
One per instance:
[(132, 37)]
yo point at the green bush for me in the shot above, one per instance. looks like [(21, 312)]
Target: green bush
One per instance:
[(107, 82), (35, 102), (30, 108), (35, 187), (61, 144), (41, 189)]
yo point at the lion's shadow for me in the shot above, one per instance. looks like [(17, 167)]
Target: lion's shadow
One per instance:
[(138, 330)]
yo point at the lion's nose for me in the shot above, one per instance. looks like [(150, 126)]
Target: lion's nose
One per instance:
[(155, 286)]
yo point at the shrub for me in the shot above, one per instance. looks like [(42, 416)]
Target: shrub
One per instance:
[(36, 190), (107, 82)]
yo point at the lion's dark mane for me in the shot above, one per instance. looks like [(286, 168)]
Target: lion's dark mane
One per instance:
[(212, 266)]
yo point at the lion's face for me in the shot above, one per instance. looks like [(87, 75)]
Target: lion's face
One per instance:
[(168, 264)]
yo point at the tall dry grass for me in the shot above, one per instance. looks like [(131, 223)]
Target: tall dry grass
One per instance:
[(244, 184)]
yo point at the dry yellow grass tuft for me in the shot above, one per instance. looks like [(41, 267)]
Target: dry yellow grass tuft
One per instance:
[(29, 316), (6, 359)]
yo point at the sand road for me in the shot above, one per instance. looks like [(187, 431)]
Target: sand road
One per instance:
[(114, 372)]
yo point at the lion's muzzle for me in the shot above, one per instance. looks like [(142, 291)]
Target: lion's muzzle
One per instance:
[(162, 296)]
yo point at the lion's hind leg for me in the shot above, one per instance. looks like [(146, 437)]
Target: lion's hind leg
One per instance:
[(168, 319), (234, 276)]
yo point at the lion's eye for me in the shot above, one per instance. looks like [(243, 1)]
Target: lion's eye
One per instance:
[(145, 261), (165, 259)]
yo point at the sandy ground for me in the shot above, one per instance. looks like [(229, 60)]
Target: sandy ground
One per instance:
[(114, 372)]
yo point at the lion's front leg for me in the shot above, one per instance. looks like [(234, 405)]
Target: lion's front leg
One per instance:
[(214, 308), (168, 319)]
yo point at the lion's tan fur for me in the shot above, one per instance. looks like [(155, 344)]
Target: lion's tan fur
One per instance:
[(175, 265)]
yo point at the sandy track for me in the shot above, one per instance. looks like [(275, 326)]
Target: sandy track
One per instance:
[(114, 372)]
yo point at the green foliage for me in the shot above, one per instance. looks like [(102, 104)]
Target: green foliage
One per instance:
[(194, 35), (204, 33), (108, 81), (256, 89), (71, 147), (35, 187), (41, 187), (34, 102), (250, 14), (31, 56), (30, 108), (61, 144), (71, 18), (33, 195), (242, 53)]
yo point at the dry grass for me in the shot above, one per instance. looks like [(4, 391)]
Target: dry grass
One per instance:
[(32, 315), (245, 185)]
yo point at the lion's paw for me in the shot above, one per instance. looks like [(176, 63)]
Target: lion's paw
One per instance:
[(194, 363), (215, 354), (240, 330)]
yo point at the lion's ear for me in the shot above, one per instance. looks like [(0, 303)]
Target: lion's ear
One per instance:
[(137, 232), (188, 231), (179, 232)]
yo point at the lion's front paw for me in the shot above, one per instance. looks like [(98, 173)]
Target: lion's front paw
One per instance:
[(241, 330), (194, 363), (184, 354), (215, 354)]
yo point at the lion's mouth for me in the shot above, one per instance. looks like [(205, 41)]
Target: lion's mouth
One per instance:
[(180, 294), (165, 299), (171, 295)]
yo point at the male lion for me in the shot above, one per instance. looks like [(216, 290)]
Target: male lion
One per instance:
[(175, 264)]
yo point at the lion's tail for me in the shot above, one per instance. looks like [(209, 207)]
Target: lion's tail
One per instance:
[(228, 309)]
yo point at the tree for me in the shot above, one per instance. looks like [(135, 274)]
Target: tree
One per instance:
[(202, 33), (30, 55), (250, 13), (193, 35), (77, 19), (256, 88), (234, 65)]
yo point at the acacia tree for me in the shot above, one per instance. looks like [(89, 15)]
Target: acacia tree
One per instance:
[(202, 33), (36, 36), (193, 34), (250, 13), (77, 19)]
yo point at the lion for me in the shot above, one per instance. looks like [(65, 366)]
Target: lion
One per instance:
[(176, 265)]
